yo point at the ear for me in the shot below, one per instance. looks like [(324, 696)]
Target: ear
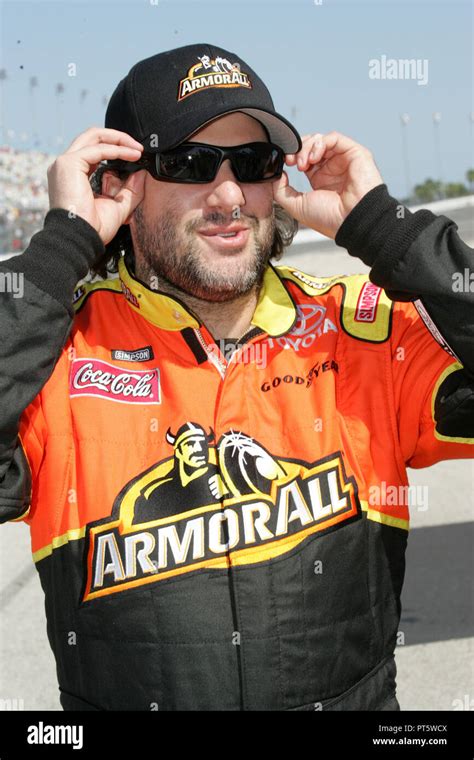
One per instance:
[(111, 184), (136, 183)]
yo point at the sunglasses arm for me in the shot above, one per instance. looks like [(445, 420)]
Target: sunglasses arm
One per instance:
[(144, 162)]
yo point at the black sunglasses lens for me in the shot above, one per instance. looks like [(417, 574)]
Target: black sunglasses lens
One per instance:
[(258, 162), (188, 164), (253, 162)]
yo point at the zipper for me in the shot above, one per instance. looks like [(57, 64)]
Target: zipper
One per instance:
[(218, 361), (222, 365)]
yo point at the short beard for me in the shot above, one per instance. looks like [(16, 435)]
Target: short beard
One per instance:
[(164, 255)]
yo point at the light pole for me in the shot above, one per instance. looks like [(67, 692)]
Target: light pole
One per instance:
[(59, 92), (3, 76), (404, 121), (436, 123), (33, 85)]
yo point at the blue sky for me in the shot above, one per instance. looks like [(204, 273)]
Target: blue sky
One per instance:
[(314, 57)]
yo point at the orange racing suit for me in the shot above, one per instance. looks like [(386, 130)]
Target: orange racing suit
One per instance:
[(229, 532)]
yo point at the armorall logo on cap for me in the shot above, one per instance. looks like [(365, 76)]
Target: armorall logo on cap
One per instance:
[(218, 72)]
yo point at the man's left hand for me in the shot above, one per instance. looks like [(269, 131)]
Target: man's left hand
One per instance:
[(340, 172)]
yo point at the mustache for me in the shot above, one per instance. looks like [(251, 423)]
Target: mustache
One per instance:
[(221, 220)]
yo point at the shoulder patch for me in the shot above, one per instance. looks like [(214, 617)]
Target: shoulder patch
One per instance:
[(366, 310), (452, 406), (85, 289), (308, 283)]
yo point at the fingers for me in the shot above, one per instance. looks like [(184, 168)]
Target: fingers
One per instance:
[(96, 135), (90, 157), (316, 146), (310, 143), (66, 165), (285, 194), (95, 154)]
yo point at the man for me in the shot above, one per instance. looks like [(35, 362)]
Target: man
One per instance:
[(165, 494), (275, 584)]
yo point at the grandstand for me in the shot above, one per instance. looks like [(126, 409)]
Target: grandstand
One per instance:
[(23, 196)]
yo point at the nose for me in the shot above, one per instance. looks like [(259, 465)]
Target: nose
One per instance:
[(225, 191)]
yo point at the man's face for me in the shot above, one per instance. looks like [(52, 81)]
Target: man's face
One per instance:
[(193, 452), (169, 226)]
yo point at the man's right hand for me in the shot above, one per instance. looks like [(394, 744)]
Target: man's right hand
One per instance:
[(69, 186)]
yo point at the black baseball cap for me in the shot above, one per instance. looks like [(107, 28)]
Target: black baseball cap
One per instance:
[(164, 99)]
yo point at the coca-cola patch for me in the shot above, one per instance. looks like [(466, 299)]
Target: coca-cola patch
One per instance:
[(94, 377)]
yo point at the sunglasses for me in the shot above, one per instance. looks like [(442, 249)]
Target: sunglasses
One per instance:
[(199, 162)]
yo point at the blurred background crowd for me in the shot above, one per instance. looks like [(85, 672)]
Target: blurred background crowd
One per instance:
[(23, 196)]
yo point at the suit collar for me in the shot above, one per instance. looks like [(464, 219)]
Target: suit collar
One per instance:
[(275, 312)]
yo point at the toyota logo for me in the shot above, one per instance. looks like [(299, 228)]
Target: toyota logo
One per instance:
[(310, 317)]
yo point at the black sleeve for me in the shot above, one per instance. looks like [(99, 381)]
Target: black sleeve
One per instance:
[(36, 316), (417, 257)]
